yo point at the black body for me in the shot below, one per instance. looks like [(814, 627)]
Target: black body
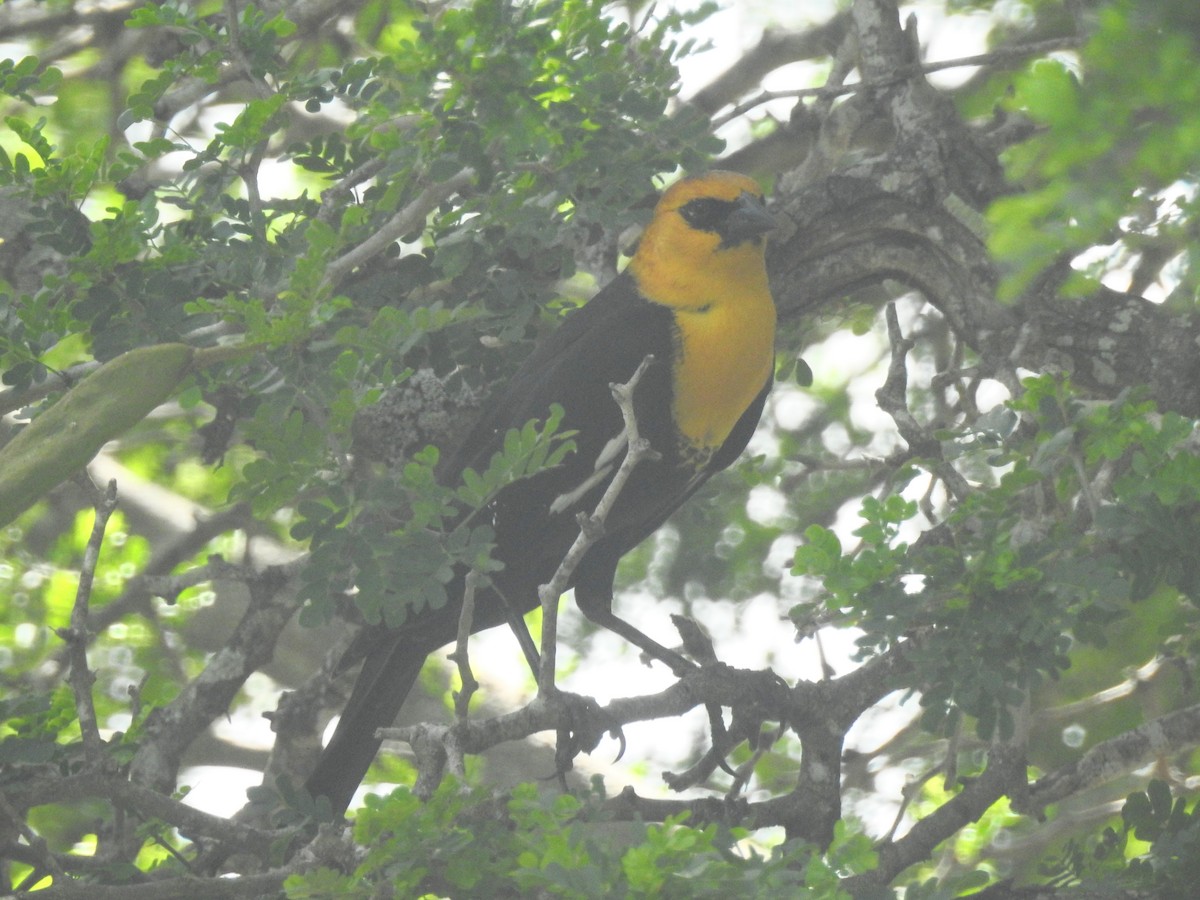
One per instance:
[(601, 343)]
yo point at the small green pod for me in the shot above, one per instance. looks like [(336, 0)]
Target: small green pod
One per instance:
[(105, 404)]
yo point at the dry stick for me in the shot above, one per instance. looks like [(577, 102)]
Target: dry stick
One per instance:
[(741, 778), (909, 793), (591, 527), (460, 656), (1138, 679), (76, 636)]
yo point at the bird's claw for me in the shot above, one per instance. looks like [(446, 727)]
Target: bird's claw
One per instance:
[(586, 722)]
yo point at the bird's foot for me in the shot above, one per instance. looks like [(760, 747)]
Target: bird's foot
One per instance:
[(584, 723)]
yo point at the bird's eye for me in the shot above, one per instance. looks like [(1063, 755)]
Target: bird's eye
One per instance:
[(706, 213)]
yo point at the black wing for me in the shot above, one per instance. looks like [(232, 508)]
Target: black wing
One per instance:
[(602, 342)]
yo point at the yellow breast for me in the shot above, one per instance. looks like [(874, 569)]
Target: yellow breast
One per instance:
[(724, 355)]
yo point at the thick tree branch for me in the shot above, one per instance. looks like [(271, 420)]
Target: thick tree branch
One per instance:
[(1005, 775), (913, 214), (191, 822), (1167, 734)]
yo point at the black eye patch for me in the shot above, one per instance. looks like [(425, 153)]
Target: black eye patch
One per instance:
[(707, 213)]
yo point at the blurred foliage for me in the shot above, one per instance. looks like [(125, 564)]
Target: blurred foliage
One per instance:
[(1128, 107)]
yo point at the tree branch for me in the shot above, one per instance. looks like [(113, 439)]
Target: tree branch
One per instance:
[(1005, 775), (461, 655), (774, 50), (893, 400), (191, 822)]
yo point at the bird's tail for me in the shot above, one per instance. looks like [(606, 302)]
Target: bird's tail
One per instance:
[(388, 674)]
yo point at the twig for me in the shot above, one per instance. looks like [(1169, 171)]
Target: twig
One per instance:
[(170, 730), (844, 61), (893, 395), (775, 49), (332, 196), (134, 598), (76, 636), (1091, 504), (908, 793), (704, 768), (397, 226), (591, 527), (1137, 680), (949, 766), (901, 74), (460, 657), (746, 770), (169, 587), (1004, 775), (14, 398)]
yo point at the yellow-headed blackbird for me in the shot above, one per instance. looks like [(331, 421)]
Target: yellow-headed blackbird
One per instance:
[(694, 296)]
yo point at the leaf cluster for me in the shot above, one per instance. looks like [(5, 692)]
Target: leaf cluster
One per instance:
[(434, 535), (998, 595), (466, 842), (1154, 847)]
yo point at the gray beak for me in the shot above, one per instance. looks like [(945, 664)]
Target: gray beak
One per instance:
[(749, 220)]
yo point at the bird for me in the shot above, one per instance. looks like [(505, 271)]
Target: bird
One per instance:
[(695, 298)]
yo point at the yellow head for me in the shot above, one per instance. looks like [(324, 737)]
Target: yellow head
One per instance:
[(704, 243)]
